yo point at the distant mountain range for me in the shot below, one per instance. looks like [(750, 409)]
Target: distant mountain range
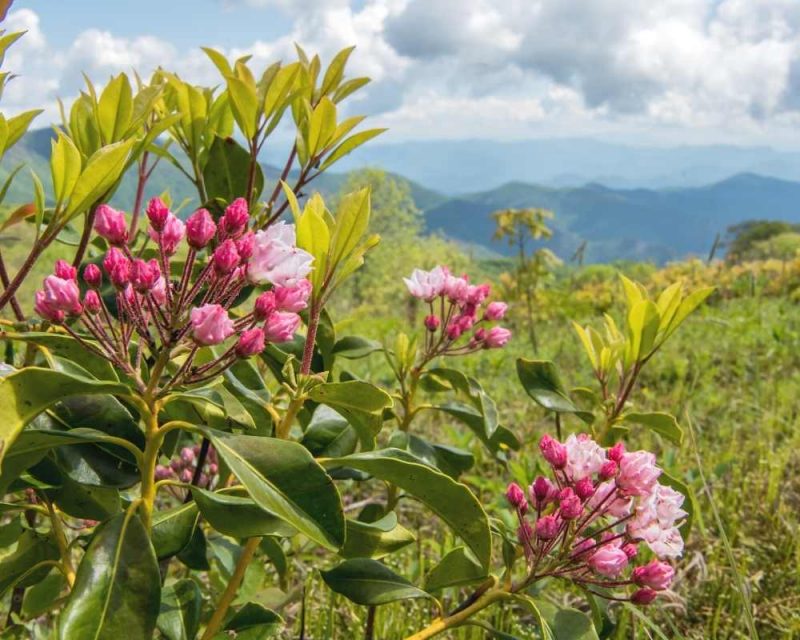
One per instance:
[(617, 222)]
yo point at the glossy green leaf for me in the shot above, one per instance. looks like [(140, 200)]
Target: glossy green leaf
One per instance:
[(349, 145), (226, 173), (117, 591), (179, 616), (101, 172), (28, 392), (375, 539), (115, 108), (329, 435), (65, 167), (283, 478), (245, 105), (31, 549), (355, 347), (18, 125), (542, 383), (172, 529), (238, 516), (368, 582), (452, 502), (84, 500), (361, 403), (565, 623), (663, 424), (456, 569), (254, 622)]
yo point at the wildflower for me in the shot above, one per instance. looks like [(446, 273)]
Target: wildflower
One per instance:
[(547, 527), (170, 236), (234, 220), (497, 337), (553, 451), (144, 275), (294, 298), (250, 343), (111, 224), (157, 212), (211, 324), (264, 306), (426, 285), (495, 311), (638, 473), (91, 302), (226, 258), (92, 276), (655, 575), (584, 456), (432, 322), (516, 496), (281, 326), (608, 561), (200, 229), (276, 260)]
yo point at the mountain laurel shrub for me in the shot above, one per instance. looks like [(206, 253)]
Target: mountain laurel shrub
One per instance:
[(180, 387)]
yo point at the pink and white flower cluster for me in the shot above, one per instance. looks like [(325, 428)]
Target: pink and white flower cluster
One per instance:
[(158, 311), (588, 523), (456, 309)]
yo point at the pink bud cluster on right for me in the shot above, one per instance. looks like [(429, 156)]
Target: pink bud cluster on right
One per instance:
[(183, 467), (588, 522), (457, 309)]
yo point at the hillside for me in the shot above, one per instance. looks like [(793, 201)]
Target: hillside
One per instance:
[(617, 223), (637, 224)]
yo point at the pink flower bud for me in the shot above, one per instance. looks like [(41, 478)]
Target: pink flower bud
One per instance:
[(225, 258), (234, 220), (65, 270), (432, 322), (542, 491), (245, 244), (454, 331), (456, 289), (186, 475), (524, 533), (176, 464), (200, 229), (644, 596), (616, 452), (656, 575), (157, 213), (464, 322), (547, 527), (250, 343), (171, 235), (495, 311), (111, 224), (187, 455), (476, 294), (120, 275), (516, 497), (212, 469), (293, 299), (92, 276), (45, 310), (144, 275), (159, 291), (211, 324), (608, 470), (608, 561), (497, 337), (553, 451), (570, 506), (280, 326), (265, 306), (162, 472), (62, 294), (91, 302), (584, 488), (631, 550)]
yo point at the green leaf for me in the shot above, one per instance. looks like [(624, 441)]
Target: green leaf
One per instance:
[(664, 424), (565, 623), (361, 403), (244, 103), (43, 596), (68, 348), (369, 582), (28, 392), (226, 172), (254, 622), (349, 145), (84, 500), (237, 516), (172, 529), (452, 502), (329, 435), (179, 616), (643, 322), (99, 175), (355, 347), (115, 109), (335, 71), (65, 167), (31, 549), (321, 126), (375, 539), (541, 382), (18, 125), (456, 569), (117, 591), (283, 478)]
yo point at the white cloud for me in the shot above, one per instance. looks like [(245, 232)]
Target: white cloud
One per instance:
[(708, 69)]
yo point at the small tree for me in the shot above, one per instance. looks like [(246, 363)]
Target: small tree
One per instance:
[(519, 227)]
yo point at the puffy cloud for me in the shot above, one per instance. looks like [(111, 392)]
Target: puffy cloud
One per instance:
[(467, 68)]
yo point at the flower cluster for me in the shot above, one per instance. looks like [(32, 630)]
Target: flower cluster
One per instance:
[(148, 308), (588, 523), (456, 309), (183, 467)]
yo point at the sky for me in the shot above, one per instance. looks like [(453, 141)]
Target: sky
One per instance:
[(645, 72)]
